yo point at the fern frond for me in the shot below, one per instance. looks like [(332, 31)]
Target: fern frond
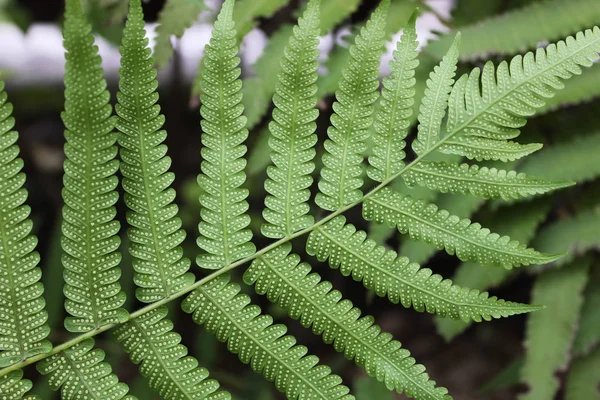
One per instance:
[(576, 235), (223, 233), (151, 342), (490, 36), (583, 378), (575, 160), (460, 205), (519, 221), (90, 233), (292, 129), (23, 317), (155, 234), (469, 241), (561, 290), (392, 118), (13, 386), (175, 17), (247, 13), (80, 374), (352, 118), (588, 332), (289, 283), (435, 101), (222, 309), (484, 182), (514, 91), (399, 279), (478, 148), (580, 89)]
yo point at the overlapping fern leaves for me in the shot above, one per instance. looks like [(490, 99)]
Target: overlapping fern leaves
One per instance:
[(476, 117), (155, 232)]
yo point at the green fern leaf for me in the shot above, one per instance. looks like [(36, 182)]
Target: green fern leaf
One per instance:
[(150, 340), (222, 232), (80, 374), (580, 89), (575, 160), (512, 92), (247, 13), (285, 281), (14, 387), (561, 290), (478, 148), (487, 183), (399, 279), (528, 26), (90, 233), (519, 221), (23, 317), (392, 118), (584, 375), (576, 235), (351, 121), (435, 101), (175, 17), (155, 234), (469, 241), (292, 129), (460, 205), (221, 308), (588, 332)]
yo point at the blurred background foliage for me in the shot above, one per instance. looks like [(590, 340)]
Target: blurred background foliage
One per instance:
[(546, 355)]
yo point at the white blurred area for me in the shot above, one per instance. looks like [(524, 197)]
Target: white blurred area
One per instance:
[(36, 56)]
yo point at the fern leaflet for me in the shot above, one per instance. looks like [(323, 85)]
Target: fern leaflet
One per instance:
[(90, 233), (23, 318), (352, 118), (400, 280), (292, 129), (487, 183), (289, 283), (13, 386), (222, 231), (478, 148), (80, 374), (392, 118), (469, 241), (150, 340), (221, 308), (435, 101), (155, 234)]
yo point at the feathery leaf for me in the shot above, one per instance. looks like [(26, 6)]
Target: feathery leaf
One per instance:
[(90, 232), (478, 148), (14, 387), (511, 92), (175, 17), (435, 101), (80, 374), (392, 118), (223, 233), (155, 234), (23, 317), (484, 182), (561, 290), (289, 283), (352, 118), (469, 241), (528, 26), (399, 279), (150, 341), (222, 309), (292, 129)]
